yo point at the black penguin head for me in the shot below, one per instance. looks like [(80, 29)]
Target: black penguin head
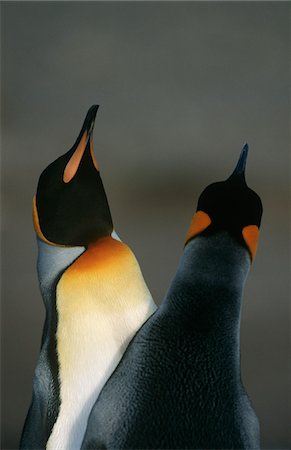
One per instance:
[(70, 207), (230, 206)]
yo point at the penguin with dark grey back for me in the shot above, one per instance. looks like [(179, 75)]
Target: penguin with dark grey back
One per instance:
[(178, 384), (94, 294)]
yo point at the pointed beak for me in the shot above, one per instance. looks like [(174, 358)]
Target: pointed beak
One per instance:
[(89, 121), (85, 137), (239, 170), (241, 164)]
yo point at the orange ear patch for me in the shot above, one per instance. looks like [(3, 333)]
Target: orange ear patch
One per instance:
[(200, 221), (74, 162), (251, 236)]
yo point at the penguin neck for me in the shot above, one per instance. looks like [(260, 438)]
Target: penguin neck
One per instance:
[(207, 289), (54, 260), (104, 255)]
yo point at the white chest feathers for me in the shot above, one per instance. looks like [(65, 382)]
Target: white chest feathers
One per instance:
[(102, 300)]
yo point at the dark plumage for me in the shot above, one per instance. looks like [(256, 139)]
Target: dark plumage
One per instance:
[(179, 383)]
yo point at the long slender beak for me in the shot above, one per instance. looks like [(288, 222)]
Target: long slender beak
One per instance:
[(89, 121), (239, 171), (80, 145)]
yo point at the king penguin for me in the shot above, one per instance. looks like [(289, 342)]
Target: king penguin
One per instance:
[(178, 385), (94, 294)]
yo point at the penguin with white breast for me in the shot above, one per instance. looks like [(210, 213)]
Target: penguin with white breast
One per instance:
[(178, 384), (94, 294)]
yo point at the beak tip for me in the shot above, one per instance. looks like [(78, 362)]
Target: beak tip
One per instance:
[(94, 109), (241, 164), (245, 147), (239, 170), (90, 119)]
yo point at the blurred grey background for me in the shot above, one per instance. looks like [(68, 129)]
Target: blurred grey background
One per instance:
[(182, 85)]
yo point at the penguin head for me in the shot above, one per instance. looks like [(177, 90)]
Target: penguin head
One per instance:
[(230, 206), (70, 207)]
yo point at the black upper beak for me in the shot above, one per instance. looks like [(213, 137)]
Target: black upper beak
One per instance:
[(239, 171), (90, 119), (88, 124)]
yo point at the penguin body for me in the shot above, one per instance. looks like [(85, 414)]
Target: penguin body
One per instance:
[(94, 293), (178, 384), (44, 409)]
